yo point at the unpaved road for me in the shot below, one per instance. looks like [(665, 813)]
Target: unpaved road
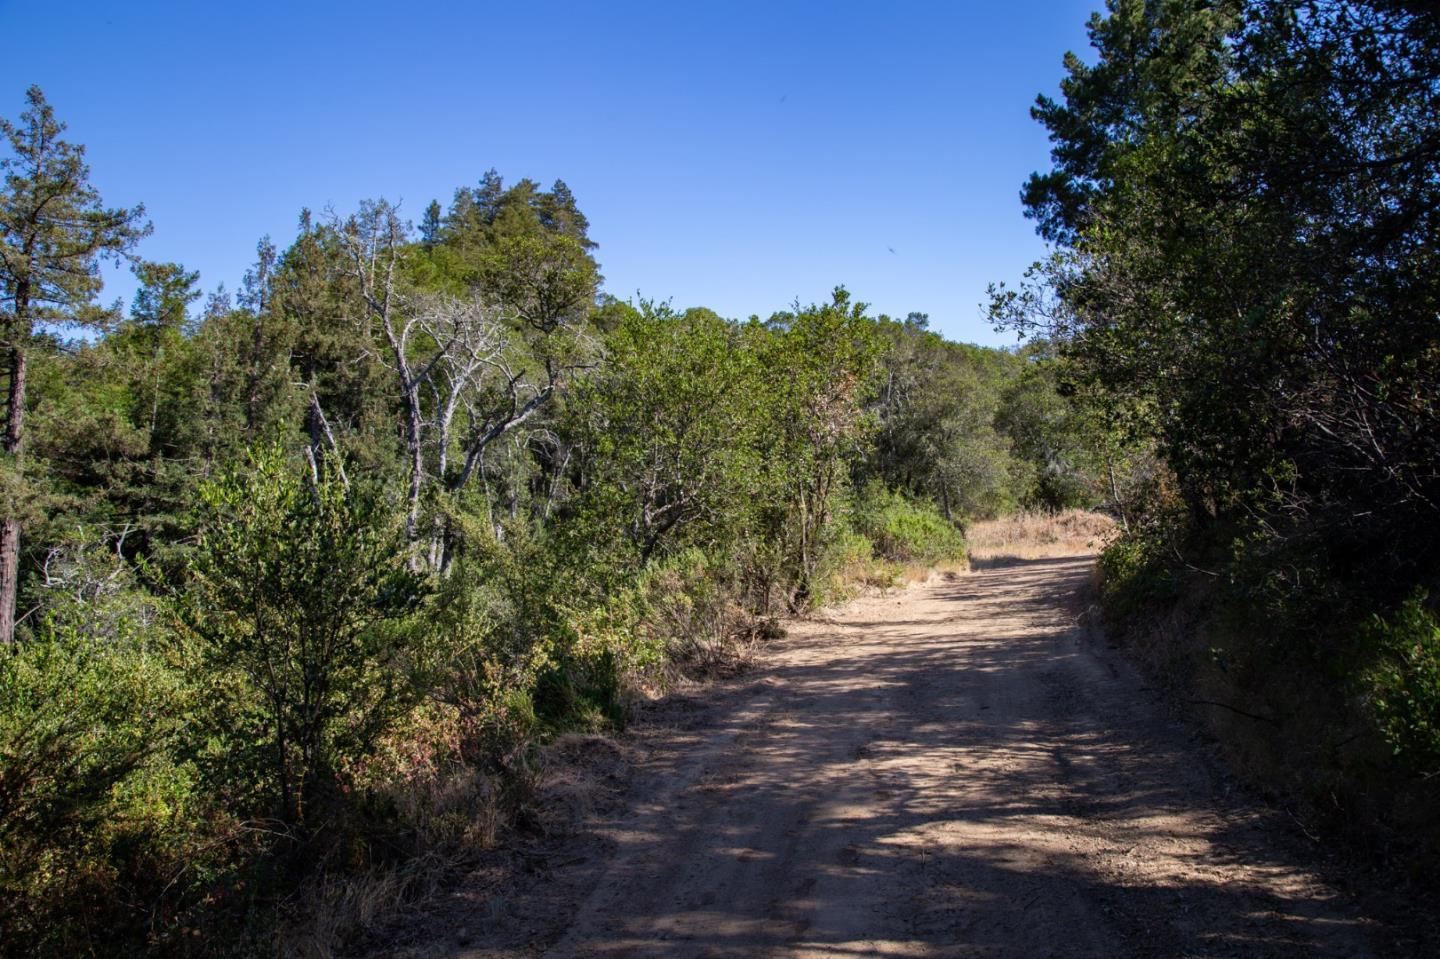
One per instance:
[(955, 770)]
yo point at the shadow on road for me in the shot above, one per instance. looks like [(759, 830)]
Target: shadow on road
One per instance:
[(956, 770)]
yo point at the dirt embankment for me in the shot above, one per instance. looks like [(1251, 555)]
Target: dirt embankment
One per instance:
[(958, 769)]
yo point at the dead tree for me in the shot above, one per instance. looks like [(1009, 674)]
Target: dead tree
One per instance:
[(463, 378)]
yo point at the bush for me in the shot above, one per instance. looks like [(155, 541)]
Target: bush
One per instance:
[(1134, 575), (690, 610), (94, 811), (490, 634), (1405, 684), (849, 561), (903, 530), (299, 603)]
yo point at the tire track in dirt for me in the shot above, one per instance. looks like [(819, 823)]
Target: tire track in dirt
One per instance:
[(957, 770)]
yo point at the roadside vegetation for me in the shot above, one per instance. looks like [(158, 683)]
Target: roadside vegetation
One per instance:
[(296, 581), (1244, 295)]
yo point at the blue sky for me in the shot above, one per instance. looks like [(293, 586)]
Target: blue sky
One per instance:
[(732, 155)]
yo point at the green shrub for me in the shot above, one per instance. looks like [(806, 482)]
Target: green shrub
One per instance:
[(1404, 685), (299, 607), (850, 565), (903, 530), (689, 607), (94, 811), (581, 689), (490, 633), (1134, 574)]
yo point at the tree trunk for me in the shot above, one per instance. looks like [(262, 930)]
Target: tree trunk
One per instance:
[(414, 439), (13, 446), (1115, 494)]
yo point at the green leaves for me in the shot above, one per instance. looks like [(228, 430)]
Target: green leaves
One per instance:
[(53, 232), (300, 589), (1404, 685), (1253, 276), (674, 424), (91, 797), (77, 718), (903, 531)]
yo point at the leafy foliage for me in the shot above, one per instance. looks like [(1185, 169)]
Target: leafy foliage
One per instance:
[(91, 801), (1405, 684), (297, 592), (903, 531), (54, 230)]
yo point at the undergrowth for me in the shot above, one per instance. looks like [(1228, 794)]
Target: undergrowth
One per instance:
[(1336, 711)]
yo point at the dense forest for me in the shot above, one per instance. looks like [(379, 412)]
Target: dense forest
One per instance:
[(297, 579)]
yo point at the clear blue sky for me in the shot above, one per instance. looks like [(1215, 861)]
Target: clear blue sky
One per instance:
[(731, 155)]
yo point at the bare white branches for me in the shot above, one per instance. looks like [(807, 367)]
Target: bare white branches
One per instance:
[(464, 369)]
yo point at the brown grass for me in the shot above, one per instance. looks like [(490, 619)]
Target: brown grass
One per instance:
[(1039, 535), (572, 776), (580, 772), (329, 915), (879, 577)]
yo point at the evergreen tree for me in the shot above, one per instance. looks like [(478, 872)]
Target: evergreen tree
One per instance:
[(158, 323), (560, 214), (488, 194), (54, 230), (257, 298), (430, 225)]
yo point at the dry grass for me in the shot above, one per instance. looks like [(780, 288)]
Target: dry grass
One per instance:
[(1039, 535), (879, 577), (327, 916), (573, 775), (580, 772), (451, 817)]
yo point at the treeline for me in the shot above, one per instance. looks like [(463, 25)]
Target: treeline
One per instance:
[(301, 577), (1244, 203)]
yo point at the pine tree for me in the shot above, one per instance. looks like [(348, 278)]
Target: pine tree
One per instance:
[(53, 232), (488, 195), (430, 225), (159, 319), (559, 213)]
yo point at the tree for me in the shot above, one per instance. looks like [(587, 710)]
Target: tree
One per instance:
[(1154, 59), (671, 431), (341, 386), (299, 586), (1246, 194), (430, 225), (54, 230), (936, 406), (823, 360), (459, 381), (159, 319), (257, 297)]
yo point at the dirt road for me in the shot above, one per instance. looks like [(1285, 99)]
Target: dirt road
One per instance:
[(958, 769)]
